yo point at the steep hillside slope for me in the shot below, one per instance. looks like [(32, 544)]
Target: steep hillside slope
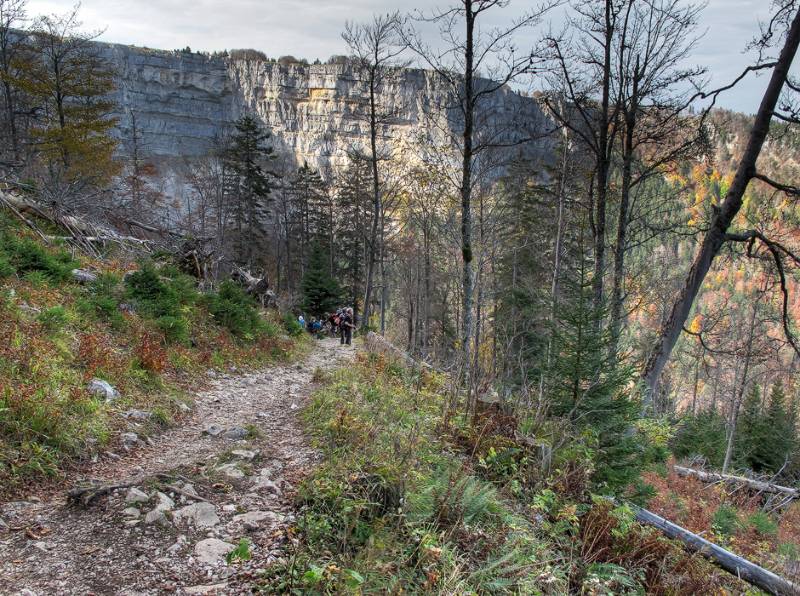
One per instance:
[(91, 369)]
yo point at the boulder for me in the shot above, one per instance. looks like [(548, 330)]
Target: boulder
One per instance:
[(136, 495), (158, 513), (212, 550), (156, 517), (253, 520), (201, 515), (129, 440), (83, 276), (236, 433), (264, 484), (213, 430), (27, 308), (244, 454), (103, 389), (164, 502), (189, 490), (137, 415), (231, 471)]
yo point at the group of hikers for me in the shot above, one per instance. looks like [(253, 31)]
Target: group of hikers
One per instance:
[(341, 323)]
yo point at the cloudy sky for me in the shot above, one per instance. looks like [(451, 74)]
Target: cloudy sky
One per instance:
[(311, 28)]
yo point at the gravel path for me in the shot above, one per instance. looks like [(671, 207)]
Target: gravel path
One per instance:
[(231, 468)]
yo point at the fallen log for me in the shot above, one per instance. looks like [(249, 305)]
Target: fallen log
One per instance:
[(758, 485), (258, 287), (730, 562), (6, 202)]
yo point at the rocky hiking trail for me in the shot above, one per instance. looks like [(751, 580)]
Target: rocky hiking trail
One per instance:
[(172, 508)]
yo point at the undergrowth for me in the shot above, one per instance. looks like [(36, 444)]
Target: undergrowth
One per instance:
[(392, 510), (148, 333), (400, 506), (733, 518)]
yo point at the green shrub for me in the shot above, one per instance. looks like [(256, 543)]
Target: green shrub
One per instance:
[(6, 268), (102, 300), (240, 553), (232, 308), (153, 297), (38, 279), (292, 325), (175, 329), (608, 578), (25, 255), (704, 435), (164, 299), (726, 520), (762, 523), (54, 318), (183, 286), (789, 550)]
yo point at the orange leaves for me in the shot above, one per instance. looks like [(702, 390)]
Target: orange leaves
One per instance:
[(696, 324), (151, 353), (98, 356)]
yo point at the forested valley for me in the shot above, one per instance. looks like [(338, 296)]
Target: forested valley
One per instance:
[(574, 290)]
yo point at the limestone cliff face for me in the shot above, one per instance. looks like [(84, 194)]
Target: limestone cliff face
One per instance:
[(182, 104)]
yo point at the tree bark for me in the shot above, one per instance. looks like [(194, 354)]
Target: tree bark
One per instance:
[(757, 485), (617, 298), (603, 145), (376, 196), (466, 194), (723, 218)]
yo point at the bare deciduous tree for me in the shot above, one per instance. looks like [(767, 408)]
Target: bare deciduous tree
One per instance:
[(475, 63), (375, 47)]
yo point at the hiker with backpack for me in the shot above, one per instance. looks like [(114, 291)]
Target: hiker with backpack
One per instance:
[(346, 326), (333, 324)]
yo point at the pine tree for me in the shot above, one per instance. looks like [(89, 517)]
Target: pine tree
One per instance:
[(794, 464), (791, 417), (14, 53), (704, 435), (321, 292), (247, 187), (312, 213), (351, 229), (590, 389), (777, 444), (751, 430)]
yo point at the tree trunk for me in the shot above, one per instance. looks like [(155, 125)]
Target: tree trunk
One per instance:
[(384, 280), (12, 120), (723, 218), (694, 386), (557, 249), (427, 331), (741, 568), (466, 195), (617, 298), (737, 398), (603, 144), (756, 485), (376, 198)]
